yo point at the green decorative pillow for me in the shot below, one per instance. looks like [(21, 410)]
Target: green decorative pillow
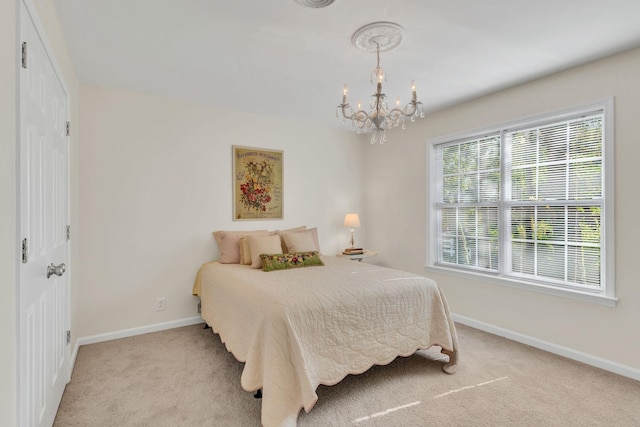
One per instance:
[(272, 262)]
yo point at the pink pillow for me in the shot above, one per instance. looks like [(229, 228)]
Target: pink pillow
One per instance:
[(229, 244)]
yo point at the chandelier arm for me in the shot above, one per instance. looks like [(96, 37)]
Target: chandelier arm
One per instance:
[(362, 119), (404, 111), (352, 115)]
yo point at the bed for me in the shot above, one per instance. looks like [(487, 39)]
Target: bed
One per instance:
[(298, 328)]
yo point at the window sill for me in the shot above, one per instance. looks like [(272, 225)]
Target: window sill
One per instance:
[(521, 284)]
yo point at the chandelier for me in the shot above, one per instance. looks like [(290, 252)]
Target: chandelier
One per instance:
[(379, 36)]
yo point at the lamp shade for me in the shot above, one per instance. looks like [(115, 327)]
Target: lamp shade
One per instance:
[(352, 220)]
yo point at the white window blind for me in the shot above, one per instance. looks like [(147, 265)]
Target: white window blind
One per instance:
[(526, 201), (468, 203), (555, 177)]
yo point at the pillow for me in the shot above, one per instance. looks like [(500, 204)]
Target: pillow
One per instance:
[(298, 242), (272, 262), (245, 252), (245, 255), (229, 244), (269, 244), (313, 232), (290, 230)]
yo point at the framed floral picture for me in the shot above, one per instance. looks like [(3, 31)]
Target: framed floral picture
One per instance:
[(257, 183)]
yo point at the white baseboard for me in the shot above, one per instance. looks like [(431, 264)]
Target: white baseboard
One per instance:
[(137, 331), (569, 353)]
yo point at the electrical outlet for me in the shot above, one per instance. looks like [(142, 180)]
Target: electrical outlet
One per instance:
[(161, 304)]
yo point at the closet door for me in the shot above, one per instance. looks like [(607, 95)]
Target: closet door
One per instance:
[(44, 194)]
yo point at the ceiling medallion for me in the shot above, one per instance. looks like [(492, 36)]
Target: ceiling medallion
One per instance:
[(385, 35), (316, 4), (379, 37)]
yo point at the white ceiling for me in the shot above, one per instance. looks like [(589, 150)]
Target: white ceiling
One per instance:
[(278, 58)]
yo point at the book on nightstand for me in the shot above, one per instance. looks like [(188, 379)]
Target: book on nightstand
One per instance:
[(353, 251)]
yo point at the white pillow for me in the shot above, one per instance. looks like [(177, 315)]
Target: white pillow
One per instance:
[(313, 232), (299, 242), (290, 230), (263, 245)]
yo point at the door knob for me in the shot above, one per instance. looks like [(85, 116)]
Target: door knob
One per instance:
[(58, 270)]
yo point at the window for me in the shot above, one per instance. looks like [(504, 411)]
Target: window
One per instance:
[(529, 203)]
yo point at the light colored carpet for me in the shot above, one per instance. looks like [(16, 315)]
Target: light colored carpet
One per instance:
[(185, 377)]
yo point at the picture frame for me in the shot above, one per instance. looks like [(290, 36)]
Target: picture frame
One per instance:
[(257, 183)]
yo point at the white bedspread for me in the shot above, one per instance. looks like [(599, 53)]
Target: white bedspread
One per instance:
[(299, 328)]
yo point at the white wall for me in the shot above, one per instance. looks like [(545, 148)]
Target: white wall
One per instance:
[(395, 201), (155, 181)]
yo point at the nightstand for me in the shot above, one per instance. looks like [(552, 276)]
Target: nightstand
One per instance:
[(359, 257)]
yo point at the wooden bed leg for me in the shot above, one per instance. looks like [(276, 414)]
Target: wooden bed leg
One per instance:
[(452, 366), (258, 394)]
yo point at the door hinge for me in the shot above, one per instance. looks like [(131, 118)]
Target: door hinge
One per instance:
[(68, 128), (24, 251), (24, 54), (68, 336), (68, 232)]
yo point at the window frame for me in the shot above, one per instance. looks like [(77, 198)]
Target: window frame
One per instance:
[(605, 295)]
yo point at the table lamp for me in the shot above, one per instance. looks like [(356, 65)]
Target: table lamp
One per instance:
[(352, 221)]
